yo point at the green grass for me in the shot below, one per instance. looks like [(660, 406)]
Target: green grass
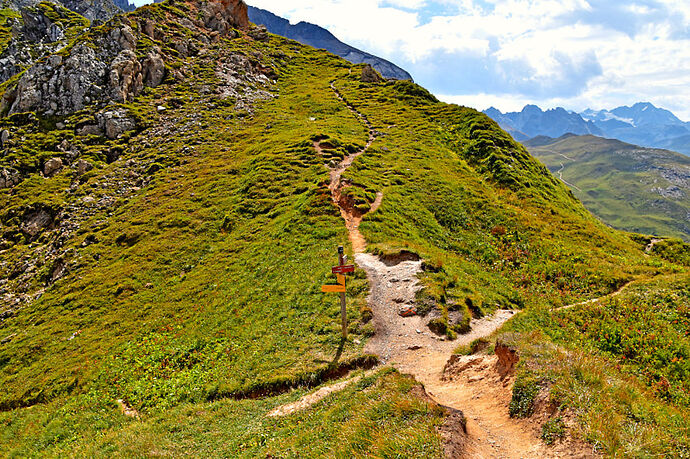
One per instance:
[(378, 416), (621, 366), (616, 181), (203, 286), (647, 331)]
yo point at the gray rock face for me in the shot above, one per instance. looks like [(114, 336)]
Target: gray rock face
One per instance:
[(57, 87), (109, 71), (318, 37), (38, 27), (34, 36)]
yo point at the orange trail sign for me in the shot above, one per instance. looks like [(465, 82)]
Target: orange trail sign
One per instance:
[(340, 287), (337, 288)]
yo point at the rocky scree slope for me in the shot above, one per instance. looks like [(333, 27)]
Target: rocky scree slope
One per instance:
[(33, 32), (168, 226)]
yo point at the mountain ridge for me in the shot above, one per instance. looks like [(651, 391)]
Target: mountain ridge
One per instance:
[(640, 124), (318, 37)]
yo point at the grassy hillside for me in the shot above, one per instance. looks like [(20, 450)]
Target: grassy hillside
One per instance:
[(620, 364), (182, 273), (633, 188)]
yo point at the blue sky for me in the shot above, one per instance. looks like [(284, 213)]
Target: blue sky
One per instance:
[(507, 53)]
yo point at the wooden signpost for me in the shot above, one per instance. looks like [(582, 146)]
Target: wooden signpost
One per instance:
[(340, 287)]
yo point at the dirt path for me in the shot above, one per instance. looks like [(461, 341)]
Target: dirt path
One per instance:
[(560, 175), (352, 216), (313, 398), (620, 290), (409, 345)]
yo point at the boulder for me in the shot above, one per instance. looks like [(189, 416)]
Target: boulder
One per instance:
[(4, 137), (35, 221), (370, 75), (259, 33), (52, 167), (90, 129), (115, 122), (83, 167)]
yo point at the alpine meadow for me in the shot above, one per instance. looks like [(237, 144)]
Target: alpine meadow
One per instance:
[(175, 182)]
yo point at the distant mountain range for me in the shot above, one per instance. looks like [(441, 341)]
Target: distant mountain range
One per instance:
[(642, 124), (638, 189), (318, 37)]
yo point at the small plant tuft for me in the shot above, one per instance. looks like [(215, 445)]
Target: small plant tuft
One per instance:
[(552, 430)]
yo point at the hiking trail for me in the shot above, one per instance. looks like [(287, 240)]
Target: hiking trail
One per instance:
[(483, 394)]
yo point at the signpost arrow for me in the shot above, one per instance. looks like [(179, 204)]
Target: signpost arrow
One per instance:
[(343, 269), (337, 288), (340, 287)]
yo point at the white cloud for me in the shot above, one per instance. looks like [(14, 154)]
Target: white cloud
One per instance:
[(598, 53)]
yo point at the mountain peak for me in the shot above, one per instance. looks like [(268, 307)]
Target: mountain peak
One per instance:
[(532, 108)]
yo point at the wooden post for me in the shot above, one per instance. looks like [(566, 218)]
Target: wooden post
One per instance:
[(343, 306)]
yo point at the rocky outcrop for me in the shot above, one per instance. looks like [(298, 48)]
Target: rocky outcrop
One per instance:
[(107, 68), (370, 75), (223, 15), (58, 85)]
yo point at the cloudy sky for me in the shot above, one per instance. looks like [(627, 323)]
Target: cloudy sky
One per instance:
[(507, 53)]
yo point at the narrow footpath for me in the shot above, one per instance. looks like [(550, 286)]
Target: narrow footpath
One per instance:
[(408, 344), (476, 385)]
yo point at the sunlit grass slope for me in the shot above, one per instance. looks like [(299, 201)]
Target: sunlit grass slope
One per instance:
[(203, 287), (629, 187), (621, 365)]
